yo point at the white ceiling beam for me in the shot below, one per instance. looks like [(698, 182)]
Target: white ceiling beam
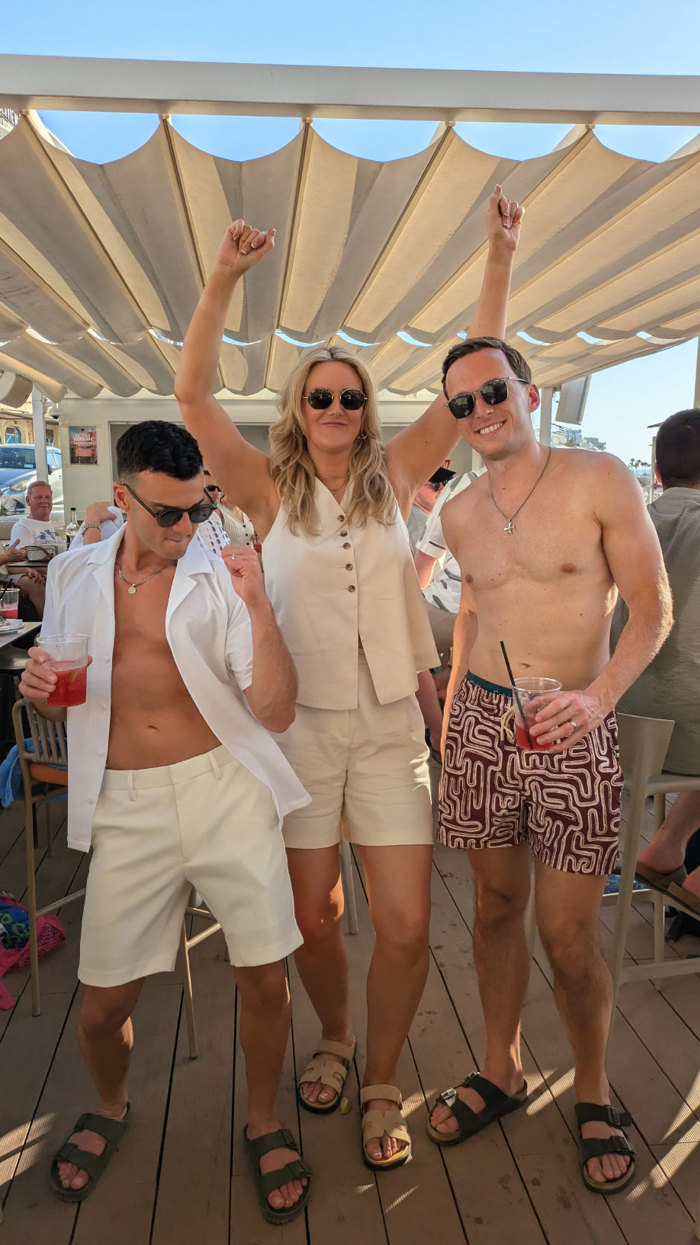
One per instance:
[(104, 85)]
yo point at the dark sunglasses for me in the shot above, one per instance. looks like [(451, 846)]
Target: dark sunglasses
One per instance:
[(211, 488), (321, 399), (492, 393), (170, 515)]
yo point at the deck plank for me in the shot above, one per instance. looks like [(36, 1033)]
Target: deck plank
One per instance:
[(197, 1145)]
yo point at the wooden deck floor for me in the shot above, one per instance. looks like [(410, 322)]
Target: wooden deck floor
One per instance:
[(181, 1178)]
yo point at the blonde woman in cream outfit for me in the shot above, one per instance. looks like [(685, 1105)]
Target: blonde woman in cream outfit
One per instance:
[(338, 571)]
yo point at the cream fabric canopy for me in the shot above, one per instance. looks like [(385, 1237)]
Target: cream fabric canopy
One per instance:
[(101, 265)]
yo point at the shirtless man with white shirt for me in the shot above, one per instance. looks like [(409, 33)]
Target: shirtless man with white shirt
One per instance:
[(543, 539), (189, 789)]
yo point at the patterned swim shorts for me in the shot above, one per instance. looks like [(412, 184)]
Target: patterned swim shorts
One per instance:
[(566, 805)]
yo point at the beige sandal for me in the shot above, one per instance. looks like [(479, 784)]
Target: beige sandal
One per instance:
[(329, 1064), (389, 1120)]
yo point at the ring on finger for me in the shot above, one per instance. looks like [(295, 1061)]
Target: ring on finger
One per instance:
[(573, 724)]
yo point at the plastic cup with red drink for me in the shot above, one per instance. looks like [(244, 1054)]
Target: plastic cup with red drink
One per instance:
[(9, 603), (533, 694), (68, 658)]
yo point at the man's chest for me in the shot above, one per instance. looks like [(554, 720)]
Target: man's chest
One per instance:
[(544, 545)]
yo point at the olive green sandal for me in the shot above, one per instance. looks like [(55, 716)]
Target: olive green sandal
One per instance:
[(267, 1182), (94, 1164), (329, 1064), (380, 1120)]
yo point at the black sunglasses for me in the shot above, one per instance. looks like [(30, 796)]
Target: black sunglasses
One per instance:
[(321, 399), (170, 515), (211, 488), (493, 392)]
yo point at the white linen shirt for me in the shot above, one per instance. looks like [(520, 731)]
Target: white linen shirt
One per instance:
[(207, 627)]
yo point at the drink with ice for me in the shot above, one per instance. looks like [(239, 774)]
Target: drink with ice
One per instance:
[(68, 658), (533, 694), (71, 684), (9, 603)]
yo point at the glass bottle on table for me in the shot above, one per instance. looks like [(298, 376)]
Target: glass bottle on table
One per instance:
[(72, 527)]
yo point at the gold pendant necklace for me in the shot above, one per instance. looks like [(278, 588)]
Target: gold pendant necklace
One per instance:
[(131, 589)]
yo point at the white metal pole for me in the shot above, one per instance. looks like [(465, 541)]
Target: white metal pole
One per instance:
[(42, 466), (696, 399), (546, 416)]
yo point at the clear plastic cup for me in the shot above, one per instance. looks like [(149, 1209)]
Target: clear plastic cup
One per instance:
[(9, 603), (533, 694), (68, 658)]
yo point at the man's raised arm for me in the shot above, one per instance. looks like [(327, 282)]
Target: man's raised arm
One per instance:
[(414, 454)]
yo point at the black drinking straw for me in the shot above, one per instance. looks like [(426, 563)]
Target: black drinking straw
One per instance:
[(515, 693)]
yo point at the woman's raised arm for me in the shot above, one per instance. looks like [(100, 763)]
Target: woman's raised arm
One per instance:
[(241, 470)]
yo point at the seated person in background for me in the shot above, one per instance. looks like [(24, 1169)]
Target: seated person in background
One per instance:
[(670, 686), (36, 528), (423, 503), (101, 520), (441, 595), (441, 586), (239, 527)]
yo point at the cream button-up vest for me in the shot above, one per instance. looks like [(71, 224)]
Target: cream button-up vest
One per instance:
[(344, 583)]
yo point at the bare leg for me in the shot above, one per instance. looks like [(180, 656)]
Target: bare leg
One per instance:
[(567, 916), (264, 1030), (106, 1038), (502, 964), (667, 849), (322, 960), (398, 886)]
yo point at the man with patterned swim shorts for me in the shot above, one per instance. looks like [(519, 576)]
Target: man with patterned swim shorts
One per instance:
[(544, 539)]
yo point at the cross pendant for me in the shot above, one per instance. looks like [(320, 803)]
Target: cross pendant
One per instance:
[(510, 528)]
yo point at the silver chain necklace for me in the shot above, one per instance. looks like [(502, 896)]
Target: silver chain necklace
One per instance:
[(510, 526), (132, 587)]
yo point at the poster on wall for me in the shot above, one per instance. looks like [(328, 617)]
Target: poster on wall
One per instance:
[(82, 444)]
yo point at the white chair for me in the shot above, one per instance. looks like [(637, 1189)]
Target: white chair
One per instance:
[(643, 746)]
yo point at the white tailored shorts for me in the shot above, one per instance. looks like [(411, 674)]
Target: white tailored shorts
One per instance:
[(206, 822), (365, 769)]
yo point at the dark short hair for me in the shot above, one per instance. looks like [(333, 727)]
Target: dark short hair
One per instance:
[(156, 445), (678, 449), (474, 344)]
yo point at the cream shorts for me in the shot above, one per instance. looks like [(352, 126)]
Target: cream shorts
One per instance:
[(367, 767), (206, 822)]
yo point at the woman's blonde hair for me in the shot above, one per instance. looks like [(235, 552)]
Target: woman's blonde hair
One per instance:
[(370, 494)]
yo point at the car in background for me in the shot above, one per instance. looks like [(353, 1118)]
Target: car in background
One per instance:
[(13, 496), (16, 460)]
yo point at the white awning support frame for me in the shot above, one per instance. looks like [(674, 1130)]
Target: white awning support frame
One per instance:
[(42, 465), (308, 91)]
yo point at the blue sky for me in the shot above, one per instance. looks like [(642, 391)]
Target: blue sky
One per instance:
[(545, 35)]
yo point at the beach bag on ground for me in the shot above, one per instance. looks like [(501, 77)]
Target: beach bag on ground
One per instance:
[(14, 940)]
